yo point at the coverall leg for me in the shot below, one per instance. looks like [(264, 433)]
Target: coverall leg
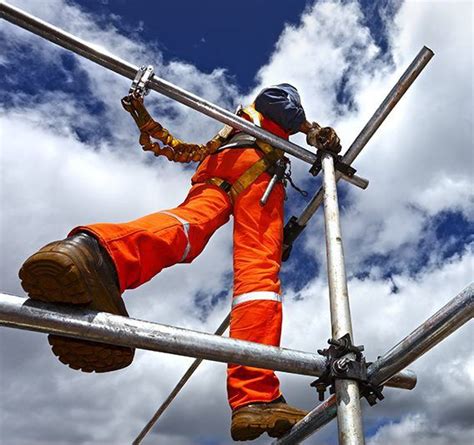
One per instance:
[(142, 248), (256, 308)]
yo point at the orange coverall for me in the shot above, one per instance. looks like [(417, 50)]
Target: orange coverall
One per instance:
[(142, 248)]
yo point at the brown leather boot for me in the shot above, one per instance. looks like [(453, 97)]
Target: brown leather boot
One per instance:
[(78, 271), (276, 418)]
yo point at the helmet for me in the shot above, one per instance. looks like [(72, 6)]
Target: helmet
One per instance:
[(282, 104)]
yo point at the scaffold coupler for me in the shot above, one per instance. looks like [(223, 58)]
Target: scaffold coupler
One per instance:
[(338, 366), (139, 87), (339, 165)]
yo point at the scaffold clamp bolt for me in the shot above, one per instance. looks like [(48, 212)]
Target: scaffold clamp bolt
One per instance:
[(346, 361)]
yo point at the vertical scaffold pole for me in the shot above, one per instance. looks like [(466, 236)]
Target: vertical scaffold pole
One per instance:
[(349, 416)]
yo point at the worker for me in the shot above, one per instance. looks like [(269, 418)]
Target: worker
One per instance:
[(96, 263)]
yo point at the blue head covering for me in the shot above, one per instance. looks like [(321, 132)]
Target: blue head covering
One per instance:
[(282, 104)]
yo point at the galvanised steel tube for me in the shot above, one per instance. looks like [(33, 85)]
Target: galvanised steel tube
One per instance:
[(36, 316), (384, 109), (349, 413), (187, 375), (439, 326), (362, 183), (113, 329), (119, 66), (314, 420), (447, 320)]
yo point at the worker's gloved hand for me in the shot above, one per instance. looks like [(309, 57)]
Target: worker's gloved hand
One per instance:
[(324, 138), (329, 140)]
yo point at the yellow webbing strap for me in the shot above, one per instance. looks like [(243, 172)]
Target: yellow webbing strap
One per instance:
[(253, 114), (250, 175), (221, 183)]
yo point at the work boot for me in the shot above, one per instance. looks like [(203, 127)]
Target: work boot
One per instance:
[(78, 271), (276, 418)]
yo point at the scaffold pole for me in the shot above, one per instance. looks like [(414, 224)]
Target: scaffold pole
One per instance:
[(349, 414)]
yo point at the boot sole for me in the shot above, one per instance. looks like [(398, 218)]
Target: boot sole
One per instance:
[(281, 427), (53, 277), (250, 430)]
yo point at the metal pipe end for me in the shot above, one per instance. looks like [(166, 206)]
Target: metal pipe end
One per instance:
[(425, 48)]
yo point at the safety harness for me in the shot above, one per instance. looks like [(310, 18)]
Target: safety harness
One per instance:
[(265, 164), (178, 151)]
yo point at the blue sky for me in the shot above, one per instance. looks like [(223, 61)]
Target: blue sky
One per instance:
[(70, 156), (208, 33)]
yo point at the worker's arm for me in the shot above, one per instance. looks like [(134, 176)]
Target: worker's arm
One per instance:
[(174, 149)]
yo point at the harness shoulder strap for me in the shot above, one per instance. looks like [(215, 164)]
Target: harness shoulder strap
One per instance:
[(249, 176)]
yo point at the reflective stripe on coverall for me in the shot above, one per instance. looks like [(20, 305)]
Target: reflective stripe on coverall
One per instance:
[(142, 248)]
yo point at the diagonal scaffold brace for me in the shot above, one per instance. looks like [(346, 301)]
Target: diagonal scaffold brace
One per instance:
[(296, 225), (179, 386)]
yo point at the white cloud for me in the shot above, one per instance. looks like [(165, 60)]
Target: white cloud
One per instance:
[(418, 429), (419, 164), (315, 60)]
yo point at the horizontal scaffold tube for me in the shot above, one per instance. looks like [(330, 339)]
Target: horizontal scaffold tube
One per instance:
[(113, 63), (439, 326), (103, 327)]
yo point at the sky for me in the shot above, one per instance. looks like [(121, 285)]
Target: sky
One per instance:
[(70, 156)]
